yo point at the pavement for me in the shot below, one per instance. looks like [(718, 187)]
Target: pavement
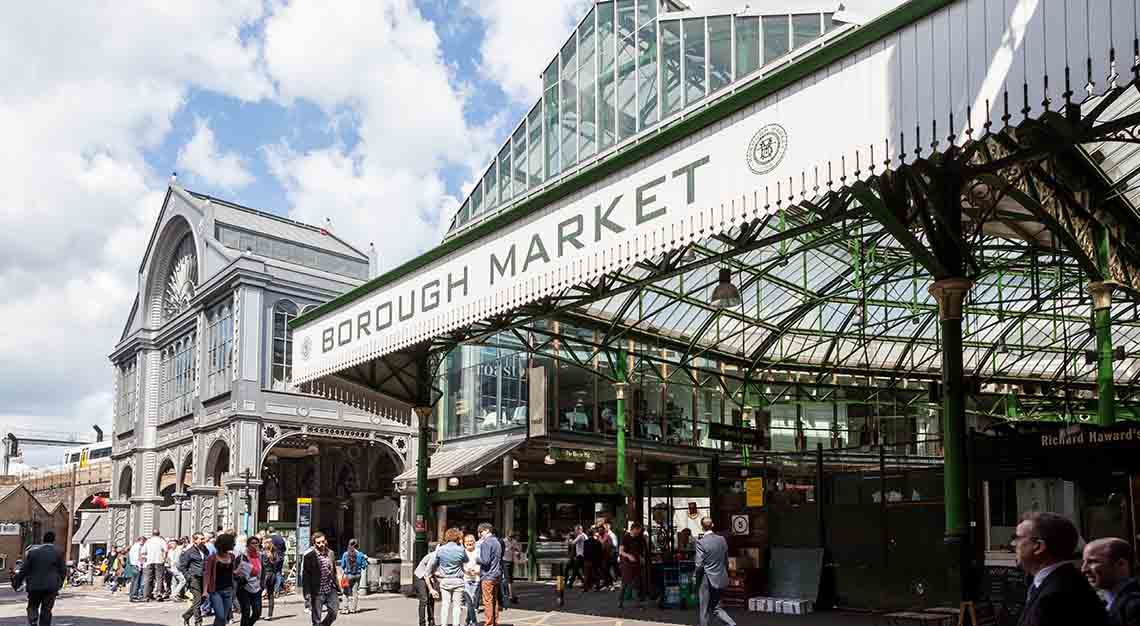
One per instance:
[(88, 606)]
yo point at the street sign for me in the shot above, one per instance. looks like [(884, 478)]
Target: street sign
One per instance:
[(736, 434), (304, 523), (577, 455), (536, 422), (754, 492)]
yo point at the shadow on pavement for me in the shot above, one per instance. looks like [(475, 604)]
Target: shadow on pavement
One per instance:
[(604, 604)]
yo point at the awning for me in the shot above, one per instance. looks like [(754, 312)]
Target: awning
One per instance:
[(464, 459), (92, 530)]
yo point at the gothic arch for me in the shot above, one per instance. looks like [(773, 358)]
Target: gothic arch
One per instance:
[(217, 463), (166, 248), (125, 488), (186, 471)]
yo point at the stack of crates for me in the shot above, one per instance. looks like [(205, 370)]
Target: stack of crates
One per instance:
[(786, 606)]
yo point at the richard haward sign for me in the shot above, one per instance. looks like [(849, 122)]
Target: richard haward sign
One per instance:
[(848, 118)]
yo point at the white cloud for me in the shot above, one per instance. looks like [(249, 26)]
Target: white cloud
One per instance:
[(87, 90), (382, 71), (520, 42), (202, 158)]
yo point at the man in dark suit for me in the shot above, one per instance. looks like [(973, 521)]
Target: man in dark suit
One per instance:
[(711, 566), (43, 574), (1059, 595), (1108, 567)]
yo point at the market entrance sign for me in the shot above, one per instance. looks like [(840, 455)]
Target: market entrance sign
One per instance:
[(878, 97)]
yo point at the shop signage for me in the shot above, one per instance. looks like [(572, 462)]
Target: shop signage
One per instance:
[(1125, 436), (754, 492), (536, 409), (577, 455), (9, 529), (736, 434), (740, 525), (785, 149), (304, 523)]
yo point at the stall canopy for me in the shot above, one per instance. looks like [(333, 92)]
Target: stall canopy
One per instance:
[(463, 458), (819, 183)]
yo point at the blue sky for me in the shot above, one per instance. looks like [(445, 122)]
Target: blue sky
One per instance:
[(371, 114)]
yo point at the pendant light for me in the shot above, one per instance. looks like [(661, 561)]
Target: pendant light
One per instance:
[(725, 295)]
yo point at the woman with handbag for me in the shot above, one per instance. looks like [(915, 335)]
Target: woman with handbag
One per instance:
[(248, 572), (353, 563)]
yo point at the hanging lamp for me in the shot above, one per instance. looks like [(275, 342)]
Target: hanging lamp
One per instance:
[(725, 295)]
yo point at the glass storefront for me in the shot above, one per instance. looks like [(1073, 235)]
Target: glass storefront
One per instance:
[(486, 389)]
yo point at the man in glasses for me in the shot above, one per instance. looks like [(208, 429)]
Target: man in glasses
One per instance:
[(1059, 595)]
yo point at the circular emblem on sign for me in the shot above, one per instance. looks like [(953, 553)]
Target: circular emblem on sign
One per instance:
[(767, 149), (306, 348), (740, 524)]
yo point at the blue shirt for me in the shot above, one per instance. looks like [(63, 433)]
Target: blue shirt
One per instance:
[(490, 558), (451, 557), (357, 567)]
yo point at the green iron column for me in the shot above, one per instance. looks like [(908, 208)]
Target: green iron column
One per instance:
[(1102, 319), (420, 549), (531, 534), (950, 293)]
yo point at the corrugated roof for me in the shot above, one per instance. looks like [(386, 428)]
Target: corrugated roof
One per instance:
[(92, 530), (256, 221), (463, 459)]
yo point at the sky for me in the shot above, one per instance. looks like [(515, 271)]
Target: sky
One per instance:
[(368, 114)]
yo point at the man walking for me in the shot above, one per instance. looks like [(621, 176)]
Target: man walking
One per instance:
[(155, 551), (190, 564), (318, 581), (711, 567), (578, 541), (490, 571), (426, 592), (42, 572), (137, 560), (1107, 565), (1058, 596)]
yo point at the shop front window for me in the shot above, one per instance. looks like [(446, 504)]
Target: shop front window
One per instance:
[(484, 391)]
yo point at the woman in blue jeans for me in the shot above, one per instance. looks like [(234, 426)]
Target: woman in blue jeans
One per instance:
[(218, 579)]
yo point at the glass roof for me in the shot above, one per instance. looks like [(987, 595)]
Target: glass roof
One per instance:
[(630, 68)]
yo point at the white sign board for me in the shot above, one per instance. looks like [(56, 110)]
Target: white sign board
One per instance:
[(878, 106)]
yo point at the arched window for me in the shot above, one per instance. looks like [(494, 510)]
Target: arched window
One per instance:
[(282, 370)]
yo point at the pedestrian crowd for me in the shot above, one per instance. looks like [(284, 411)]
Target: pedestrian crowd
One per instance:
[(471, 573)]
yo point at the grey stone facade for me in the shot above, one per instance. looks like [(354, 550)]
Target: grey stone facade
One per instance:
[(205, 413)]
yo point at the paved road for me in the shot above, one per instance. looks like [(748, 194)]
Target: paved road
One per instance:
[(95, 607)]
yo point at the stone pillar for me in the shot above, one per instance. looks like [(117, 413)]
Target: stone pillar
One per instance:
[(120, 534), (1106, 386), (243, 510), (441, 512), (509, 501), (362, 519)]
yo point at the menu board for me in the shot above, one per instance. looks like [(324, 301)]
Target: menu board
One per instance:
[(1005, 588)]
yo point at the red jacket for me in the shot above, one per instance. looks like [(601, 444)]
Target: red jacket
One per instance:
[(208, 573)]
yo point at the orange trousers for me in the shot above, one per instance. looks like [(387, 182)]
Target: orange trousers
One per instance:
[(490, 607)]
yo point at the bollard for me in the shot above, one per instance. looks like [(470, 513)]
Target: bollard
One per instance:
[(560, 586)]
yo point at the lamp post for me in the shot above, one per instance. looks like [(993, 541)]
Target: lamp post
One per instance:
[(420, 549), (179, 502), (246, 475)]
